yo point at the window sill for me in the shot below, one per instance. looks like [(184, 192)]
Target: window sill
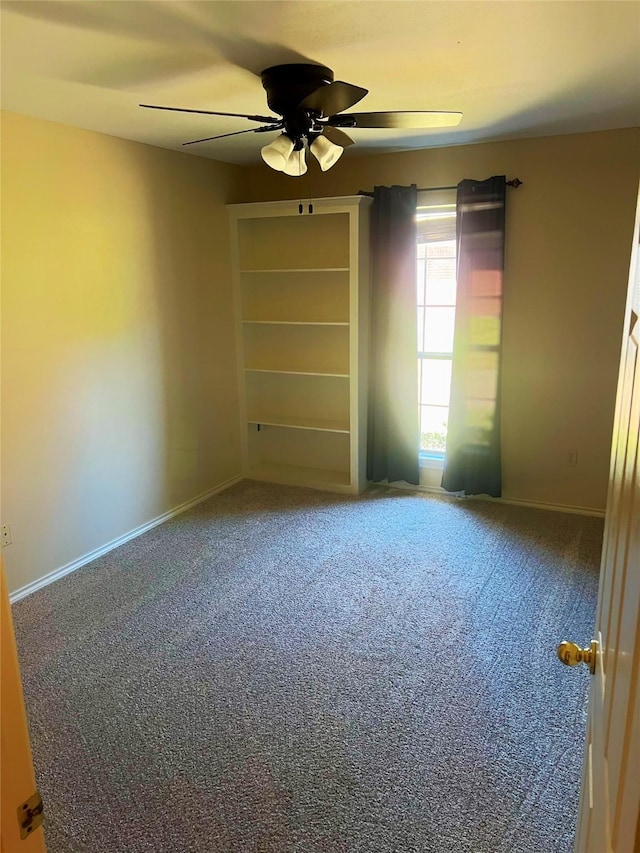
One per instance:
[(431, 461)]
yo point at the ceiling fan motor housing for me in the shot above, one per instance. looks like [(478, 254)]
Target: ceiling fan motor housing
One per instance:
[(288, 85), (312, 105)]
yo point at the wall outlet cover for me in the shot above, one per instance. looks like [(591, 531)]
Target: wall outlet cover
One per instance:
[(5, 535)]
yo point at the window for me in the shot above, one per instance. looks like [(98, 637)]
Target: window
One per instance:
[(436, 285)]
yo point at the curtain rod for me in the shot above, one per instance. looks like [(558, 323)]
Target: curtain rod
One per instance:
[(515, 183)]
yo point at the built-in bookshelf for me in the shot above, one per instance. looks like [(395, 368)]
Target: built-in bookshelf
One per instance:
[(301, 294)]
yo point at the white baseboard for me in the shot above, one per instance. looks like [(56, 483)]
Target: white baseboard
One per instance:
[(183, 507), (132, 534), (437, 490), (573, 510)]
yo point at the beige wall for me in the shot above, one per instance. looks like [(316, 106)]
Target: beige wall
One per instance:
[(119, 387), (119, 397), (568, 249)]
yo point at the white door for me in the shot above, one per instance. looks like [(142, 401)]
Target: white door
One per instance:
[(17, 780), (610, 795)]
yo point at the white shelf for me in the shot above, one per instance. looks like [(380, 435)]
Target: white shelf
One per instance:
[(295, 323), (299, 349), (296, 372), (301, 289), (299, 269), (294, 475), (299, 422)]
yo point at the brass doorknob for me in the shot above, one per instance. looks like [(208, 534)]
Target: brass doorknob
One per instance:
[(571, 654)]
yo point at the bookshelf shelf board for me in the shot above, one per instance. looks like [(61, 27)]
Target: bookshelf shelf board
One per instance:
[(296, 372), (296, 422), (295, 323), (297, 270)]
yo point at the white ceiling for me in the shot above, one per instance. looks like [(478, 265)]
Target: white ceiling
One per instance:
[(515, 69)]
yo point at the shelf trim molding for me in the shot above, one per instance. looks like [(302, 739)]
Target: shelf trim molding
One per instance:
[(291, 372), (294, 423), (296, 322), (294, 269)]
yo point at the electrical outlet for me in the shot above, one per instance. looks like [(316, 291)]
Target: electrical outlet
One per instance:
[(572, 458), (5, 535)]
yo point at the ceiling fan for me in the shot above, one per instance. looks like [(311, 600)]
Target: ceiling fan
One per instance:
[(310, 105)]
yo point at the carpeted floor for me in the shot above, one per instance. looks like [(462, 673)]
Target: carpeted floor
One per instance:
[(287, 670)]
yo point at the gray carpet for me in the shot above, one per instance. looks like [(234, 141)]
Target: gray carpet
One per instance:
[(287, 670)]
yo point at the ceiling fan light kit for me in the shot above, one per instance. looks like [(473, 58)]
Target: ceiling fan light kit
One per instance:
[(276, 153), (296, 164), (325, 152), (285, 155), (311, 106)]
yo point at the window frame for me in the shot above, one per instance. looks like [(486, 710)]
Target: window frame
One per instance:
[(443, 200)]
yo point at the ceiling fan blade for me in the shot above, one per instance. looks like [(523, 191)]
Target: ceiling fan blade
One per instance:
[(234, 133), (338, 137), (333, 98), (424, 119), (210, 113)]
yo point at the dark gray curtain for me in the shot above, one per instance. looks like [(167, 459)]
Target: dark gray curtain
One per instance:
[(393, 432), (472, 461)]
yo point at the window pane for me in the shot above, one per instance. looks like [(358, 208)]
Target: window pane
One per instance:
[(433, 427), (421, 280), (420, 329), (435, 381), (439, 324), (436, 297), (441, 268), (442, 249), (441, 291)]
